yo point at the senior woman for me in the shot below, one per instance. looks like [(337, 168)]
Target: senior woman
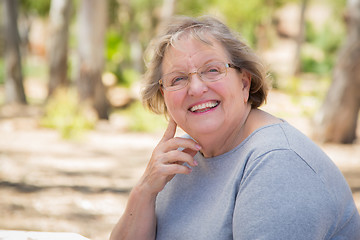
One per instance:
[(240, 173)]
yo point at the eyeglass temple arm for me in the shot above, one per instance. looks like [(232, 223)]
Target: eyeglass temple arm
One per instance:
[(233, 66)]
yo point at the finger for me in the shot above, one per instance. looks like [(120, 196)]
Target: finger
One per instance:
[(178, 157), (170, 130), (190, 151), (181, 143), (177, 169)]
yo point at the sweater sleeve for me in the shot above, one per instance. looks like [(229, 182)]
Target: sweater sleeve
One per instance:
[(281, 197)]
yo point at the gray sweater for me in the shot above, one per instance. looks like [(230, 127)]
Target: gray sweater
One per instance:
[(277, 184)]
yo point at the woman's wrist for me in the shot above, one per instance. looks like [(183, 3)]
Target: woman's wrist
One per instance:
[(144, 190)]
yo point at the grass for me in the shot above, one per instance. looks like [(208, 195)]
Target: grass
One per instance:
[(64, 114)]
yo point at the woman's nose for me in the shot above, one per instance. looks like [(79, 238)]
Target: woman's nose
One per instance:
[(196, 85)]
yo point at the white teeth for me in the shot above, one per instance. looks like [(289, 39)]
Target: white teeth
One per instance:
[(204, 106)]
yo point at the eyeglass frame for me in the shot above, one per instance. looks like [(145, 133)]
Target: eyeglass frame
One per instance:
[(227, 65)]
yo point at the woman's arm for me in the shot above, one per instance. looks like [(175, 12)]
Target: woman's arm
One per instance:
[(139, 220), (282, 197)]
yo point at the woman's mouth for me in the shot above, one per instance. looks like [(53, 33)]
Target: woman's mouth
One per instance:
[(203, 107)]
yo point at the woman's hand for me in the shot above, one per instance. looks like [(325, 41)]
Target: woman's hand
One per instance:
[(167, 160), (139, 220)]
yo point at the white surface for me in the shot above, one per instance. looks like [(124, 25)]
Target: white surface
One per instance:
[(22, 235)]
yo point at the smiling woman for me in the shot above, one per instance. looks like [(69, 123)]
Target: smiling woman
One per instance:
[(225, 119), (239, 173)]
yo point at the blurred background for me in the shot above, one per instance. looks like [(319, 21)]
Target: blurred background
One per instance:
[(74, 137)]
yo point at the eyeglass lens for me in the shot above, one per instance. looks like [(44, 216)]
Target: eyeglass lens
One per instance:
[(209, 72)]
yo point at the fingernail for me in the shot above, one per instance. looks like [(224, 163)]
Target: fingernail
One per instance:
[(196, 163), (198, 147)]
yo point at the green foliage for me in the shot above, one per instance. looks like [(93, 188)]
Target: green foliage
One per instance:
[(241, 15), (325, 42), (194, 7), (245, 16), (116, 52), (317, 66), (64, 113), (136, 20), (133, 23), (327, 38), (115, 46), (338, 6), (113, 8), (142, 120), (117, 57), (38, 7), (129, 76)]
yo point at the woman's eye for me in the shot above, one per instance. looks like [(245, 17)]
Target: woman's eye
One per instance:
[(177, 80), (213, 70)]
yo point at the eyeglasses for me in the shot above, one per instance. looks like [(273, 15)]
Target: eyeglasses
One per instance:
[(208, 73)]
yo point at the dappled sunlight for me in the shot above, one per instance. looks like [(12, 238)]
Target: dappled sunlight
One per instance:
[(63, 169), (51, 184)]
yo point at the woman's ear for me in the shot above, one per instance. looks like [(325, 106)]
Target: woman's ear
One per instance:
[(246, 79), (246, 82), (161, 91)]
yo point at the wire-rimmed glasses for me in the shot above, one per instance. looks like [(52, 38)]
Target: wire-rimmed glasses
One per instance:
[(210, 72)]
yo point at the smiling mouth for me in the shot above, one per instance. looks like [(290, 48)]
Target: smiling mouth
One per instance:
[(200, 108)]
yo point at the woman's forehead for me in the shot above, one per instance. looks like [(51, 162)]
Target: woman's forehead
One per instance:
[(188, 45), (177, 40), (191, 52)]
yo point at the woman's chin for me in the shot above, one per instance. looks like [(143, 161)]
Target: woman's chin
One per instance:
[(202, 128)]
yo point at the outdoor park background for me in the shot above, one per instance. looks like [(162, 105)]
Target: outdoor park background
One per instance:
[(74, 138)]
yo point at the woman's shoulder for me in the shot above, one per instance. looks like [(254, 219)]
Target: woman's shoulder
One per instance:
[(267, 132), (283, 137)]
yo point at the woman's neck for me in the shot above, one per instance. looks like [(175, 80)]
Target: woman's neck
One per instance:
[(218, 143), (222, 141)]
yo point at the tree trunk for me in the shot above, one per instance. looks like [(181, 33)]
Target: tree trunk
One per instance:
[(91, 36), (300, 39), (14, 88), (337, 119), (167, 9), (58, 43)]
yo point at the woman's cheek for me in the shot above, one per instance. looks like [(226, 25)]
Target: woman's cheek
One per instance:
[(173, 100)]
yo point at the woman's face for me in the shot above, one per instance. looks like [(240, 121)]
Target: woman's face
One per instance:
[(203, 108)]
